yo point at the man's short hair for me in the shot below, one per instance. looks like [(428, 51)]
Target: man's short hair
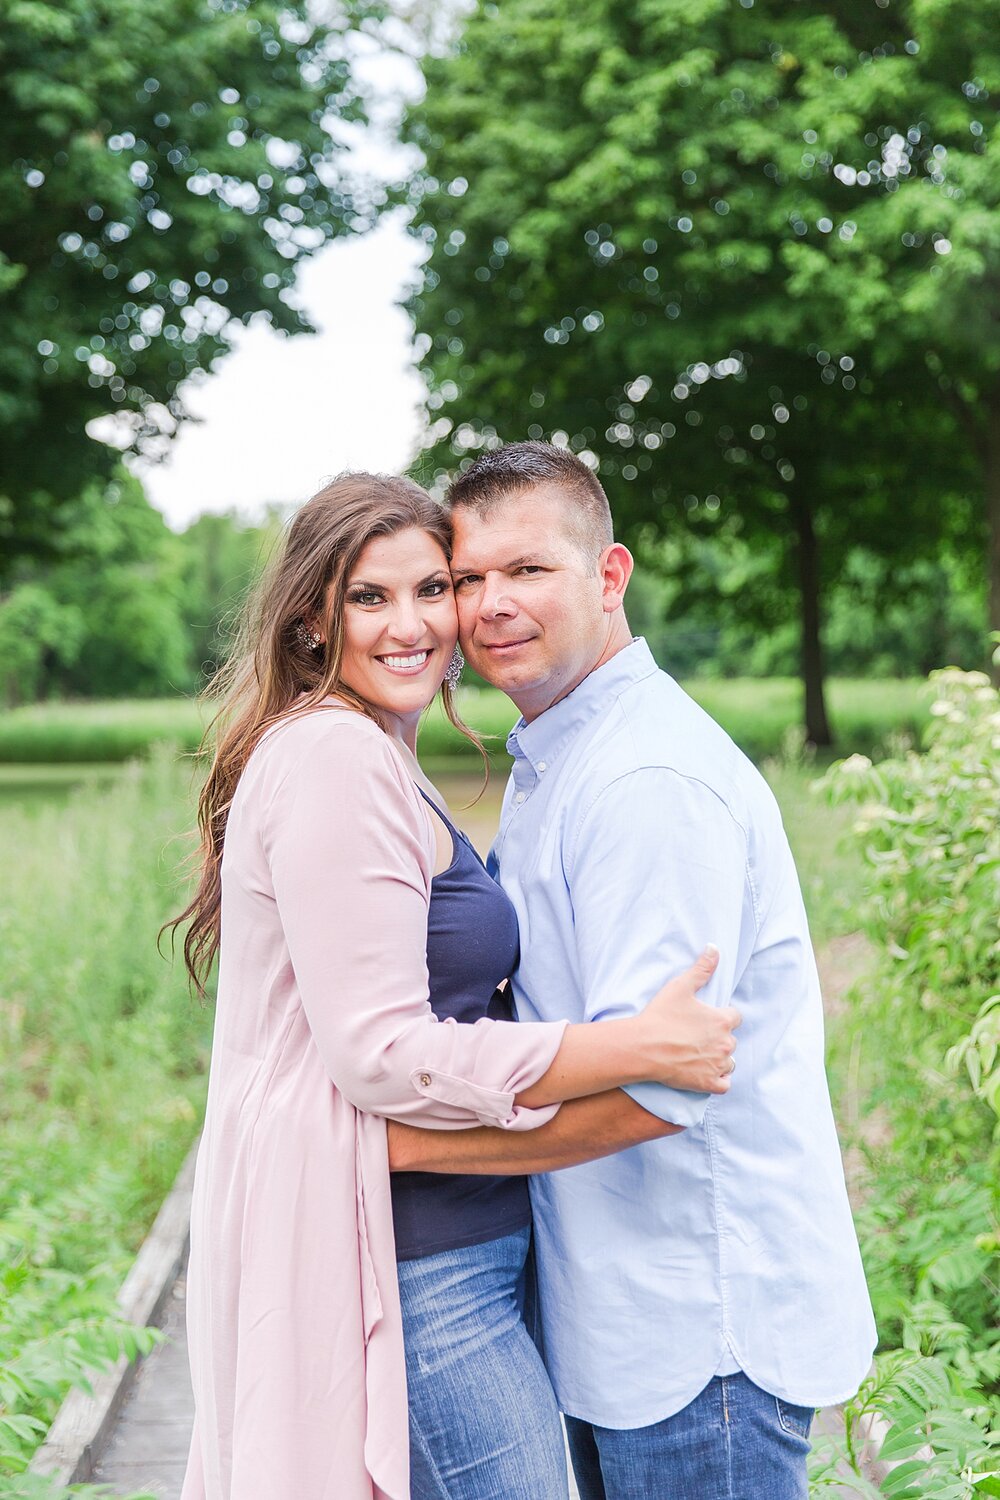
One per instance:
[(500, 473)]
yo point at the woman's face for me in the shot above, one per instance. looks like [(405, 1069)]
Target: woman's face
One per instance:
[(400, 625)]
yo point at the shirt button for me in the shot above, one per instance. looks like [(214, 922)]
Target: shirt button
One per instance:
[(542, 766), (425, 1080), (520, 796)]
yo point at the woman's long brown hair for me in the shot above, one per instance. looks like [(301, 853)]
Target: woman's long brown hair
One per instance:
[(273, 669)]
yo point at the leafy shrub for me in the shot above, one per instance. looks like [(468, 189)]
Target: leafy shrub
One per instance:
[(926, 1026), (57, 1326), (930, 1439)]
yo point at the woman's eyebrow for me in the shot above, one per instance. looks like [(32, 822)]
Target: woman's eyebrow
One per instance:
[(384, 588)]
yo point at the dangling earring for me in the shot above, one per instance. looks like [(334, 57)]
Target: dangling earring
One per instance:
[(311, 639), (454, 671)]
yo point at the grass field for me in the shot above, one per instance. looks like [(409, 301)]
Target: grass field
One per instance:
[(761, 715), (102, 1069)]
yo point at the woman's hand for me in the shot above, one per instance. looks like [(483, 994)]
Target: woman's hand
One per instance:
[(690, 1045), (676, 1040)]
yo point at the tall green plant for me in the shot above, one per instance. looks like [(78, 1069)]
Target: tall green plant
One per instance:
[(931, 827), (102, 1063), (926, 1029)]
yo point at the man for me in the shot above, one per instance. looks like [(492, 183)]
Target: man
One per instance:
[(701, 1294)]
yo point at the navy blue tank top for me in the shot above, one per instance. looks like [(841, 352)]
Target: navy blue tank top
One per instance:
[(471, 947)]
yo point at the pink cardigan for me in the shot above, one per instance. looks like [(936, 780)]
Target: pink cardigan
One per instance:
[(323, 1028)]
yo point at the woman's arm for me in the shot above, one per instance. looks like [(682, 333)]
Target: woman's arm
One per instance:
[(676, 1039), (349, 851), (586, 1129), (349, 856), (583, 1130)]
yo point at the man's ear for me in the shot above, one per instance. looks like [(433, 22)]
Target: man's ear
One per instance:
[(614, 569)]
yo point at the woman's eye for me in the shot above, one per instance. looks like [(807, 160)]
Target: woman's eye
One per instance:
[(437, 588), (366, 597)]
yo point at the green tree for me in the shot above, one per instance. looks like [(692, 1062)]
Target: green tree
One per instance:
[(108, 619), (223, 556), (166, 168), (616, 202), (129, 590), (910, 266), (35, 628)]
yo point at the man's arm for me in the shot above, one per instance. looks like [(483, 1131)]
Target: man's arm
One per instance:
[(656, 867), (583, 1130)]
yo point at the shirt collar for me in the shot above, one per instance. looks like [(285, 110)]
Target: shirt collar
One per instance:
[(543, 740)]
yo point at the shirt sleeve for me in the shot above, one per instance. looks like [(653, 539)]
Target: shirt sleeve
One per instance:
[(349, 859), (657, 870)]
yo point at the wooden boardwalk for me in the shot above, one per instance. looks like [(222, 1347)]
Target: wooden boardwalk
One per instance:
[(147, 1451)]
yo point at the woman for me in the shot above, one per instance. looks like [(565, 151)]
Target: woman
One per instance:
[(322, 842)]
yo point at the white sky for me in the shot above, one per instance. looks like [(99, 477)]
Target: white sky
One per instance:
[(280, 415)]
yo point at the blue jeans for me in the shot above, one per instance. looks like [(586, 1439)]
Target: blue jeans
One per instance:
[(484, 1424), (732, 1442)]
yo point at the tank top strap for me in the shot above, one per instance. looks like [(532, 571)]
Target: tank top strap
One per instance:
[(455, 832)]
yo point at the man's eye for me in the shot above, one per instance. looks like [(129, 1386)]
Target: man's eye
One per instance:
[(530, 568), (467, 580)]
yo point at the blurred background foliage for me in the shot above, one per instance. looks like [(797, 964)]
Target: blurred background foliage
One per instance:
[(744, 255), (164, 170)]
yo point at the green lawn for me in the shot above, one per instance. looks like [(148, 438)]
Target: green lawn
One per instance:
[(54, 733), (761, 715)]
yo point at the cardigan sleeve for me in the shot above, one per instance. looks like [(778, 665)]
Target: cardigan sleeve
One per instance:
[(346, 842)]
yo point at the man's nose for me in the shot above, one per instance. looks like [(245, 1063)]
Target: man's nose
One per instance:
[(495, 599)]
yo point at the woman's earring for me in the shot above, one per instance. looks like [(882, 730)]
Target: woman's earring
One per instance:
[(454, 671), (311, 639)]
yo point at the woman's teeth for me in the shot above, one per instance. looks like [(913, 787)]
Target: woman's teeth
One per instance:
[(400, 662)]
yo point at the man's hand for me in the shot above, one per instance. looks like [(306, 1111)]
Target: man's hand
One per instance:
[(690, 1044)]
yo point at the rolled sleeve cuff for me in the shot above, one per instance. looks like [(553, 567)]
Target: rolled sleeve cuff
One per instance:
[(675, 1106), (493, 1107)]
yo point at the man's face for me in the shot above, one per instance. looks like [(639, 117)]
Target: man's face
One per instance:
[(531, 611)]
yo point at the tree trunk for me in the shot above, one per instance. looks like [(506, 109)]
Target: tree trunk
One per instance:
[(817, 725), (993, 516)]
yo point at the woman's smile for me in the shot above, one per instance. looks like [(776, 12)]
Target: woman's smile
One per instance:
[(407, 665), (400, 625)]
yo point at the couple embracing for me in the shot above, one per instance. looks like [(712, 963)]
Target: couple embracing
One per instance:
[(395, 1180)]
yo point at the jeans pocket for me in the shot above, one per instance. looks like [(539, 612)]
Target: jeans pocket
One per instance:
[(796, 1420)]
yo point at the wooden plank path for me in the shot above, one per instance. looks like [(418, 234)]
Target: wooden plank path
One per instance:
[(147, 1450), (148, 1447)]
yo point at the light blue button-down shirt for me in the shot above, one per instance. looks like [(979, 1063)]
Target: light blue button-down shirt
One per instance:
[(633, 832)]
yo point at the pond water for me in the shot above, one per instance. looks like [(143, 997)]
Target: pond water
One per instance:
[(475, 810), (32, 785)]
